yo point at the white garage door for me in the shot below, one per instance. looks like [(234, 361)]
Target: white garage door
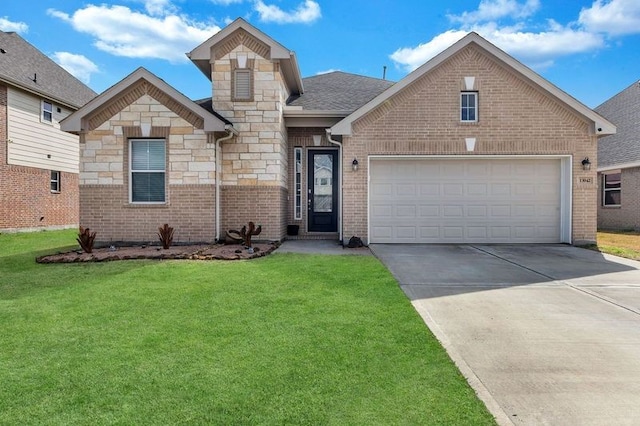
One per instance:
[(465, 201)]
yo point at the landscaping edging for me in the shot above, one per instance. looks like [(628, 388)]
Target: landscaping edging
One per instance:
[(191, 252)]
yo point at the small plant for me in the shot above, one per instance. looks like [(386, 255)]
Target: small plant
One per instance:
[(165, 233), (86, 239)]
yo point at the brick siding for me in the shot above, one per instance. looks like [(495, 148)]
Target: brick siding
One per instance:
[(627, 215), (265, 205), (515, 118), (191, 212), (26, 201)]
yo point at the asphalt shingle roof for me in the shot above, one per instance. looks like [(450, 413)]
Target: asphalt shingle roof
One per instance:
[(338, 91), (20, 62), (623, 110)]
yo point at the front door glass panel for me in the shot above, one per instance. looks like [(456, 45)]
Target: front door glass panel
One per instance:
[(323, 183)]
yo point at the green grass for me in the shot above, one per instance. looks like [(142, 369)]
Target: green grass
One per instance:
[(619, 243), (285, 339)]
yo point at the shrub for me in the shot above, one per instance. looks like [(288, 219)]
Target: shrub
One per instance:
[(86, 239), (165, 233)]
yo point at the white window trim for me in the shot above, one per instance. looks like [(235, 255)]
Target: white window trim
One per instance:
[(475, 106), (131, 171), (605, 190), (56, 180), (43, 111), (297, 184)]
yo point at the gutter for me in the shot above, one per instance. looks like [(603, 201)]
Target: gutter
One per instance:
[(339, 144), (231, 132)]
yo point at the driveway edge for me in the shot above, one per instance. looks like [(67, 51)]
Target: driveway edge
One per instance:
[(476, 384)]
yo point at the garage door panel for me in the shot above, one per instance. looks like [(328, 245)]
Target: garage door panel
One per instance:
[(429, 232), (429, 189), (476, 232), (477, 189), (405, 232), (382, 211), (470, 200), (477, 211), (406, 211), (453, 211), (452, 189), (405, 190), (429, 211), (381, 190), (500, 189)]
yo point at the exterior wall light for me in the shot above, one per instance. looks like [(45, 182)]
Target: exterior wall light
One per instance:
[(586, 164), (354, 164)]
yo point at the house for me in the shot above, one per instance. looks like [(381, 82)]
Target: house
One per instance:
[(38, 161), (619, 163), (472, 147)]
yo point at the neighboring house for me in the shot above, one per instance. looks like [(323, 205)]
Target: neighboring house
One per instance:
[(472, 147), (38, 161), (619, 162)]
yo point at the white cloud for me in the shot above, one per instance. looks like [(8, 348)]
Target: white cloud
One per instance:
[(226, 2), (77, 65), (489, 10), (8, 26), (123, 32), (328, 71), (306, 12), (411, 58), (538, 47), (614, 17), (159, 7)]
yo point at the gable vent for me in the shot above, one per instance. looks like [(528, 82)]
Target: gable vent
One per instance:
[(243, 84)]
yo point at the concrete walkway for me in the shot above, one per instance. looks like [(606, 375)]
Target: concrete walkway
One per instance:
[(320, 247), (545, 334)]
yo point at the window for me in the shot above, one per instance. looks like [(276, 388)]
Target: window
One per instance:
[(469, 107), (147, 163), (242, 84), (611, 188), (55, 181), (47, 112), (297, 178)]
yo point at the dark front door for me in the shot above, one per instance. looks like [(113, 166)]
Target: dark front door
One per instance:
[(323, 190)]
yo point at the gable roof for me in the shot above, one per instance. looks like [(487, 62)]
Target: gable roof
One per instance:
[(600, 125), (338, 91), (201, 55), (24, 66), (77, 122), (622, 149)]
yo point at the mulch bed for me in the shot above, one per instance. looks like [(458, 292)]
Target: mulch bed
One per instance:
[(194, 252)]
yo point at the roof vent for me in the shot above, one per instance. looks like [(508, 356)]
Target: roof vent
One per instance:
[(35, 78), (3, 51)]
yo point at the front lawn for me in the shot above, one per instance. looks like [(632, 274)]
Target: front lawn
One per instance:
[(285, 339), (621, 243)]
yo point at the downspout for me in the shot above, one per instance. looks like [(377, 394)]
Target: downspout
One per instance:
[(231, 132), (339, 180)]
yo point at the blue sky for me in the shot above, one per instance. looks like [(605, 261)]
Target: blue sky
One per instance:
[(588, 48)]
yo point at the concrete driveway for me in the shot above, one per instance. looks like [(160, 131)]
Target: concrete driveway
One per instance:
[(545, 334)]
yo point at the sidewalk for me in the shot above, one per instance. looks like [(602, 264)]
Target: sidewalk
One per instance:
[(320, 247)]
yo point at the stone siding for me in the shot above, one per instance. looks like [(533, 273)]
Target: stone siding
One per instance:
[(258, 156), (190, 176)]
